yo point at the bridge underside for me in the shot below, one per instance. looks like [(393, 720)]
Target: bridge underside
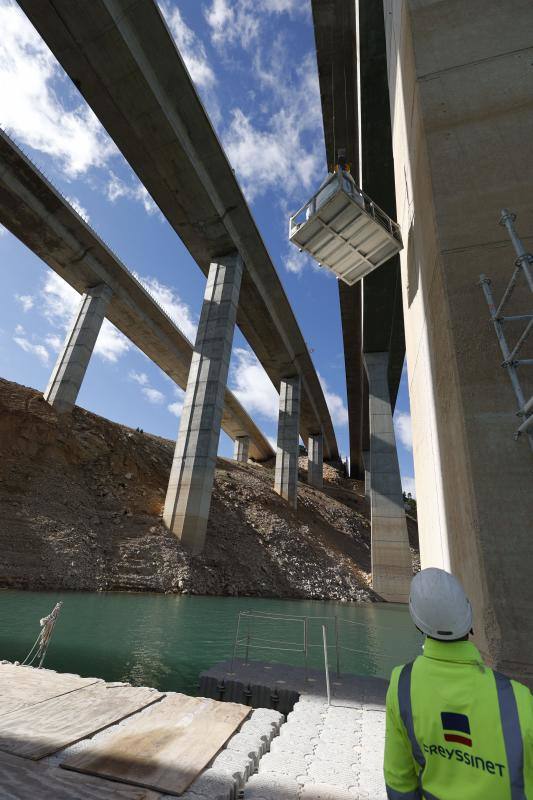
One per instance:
[(371, 312), (122, 58)]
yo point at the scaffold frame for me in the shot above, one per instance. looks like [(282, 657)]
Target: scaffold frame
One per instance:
[(511, 361)]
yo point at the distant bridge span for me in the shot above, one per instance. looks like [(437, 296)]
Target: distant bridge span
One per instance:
[(122, 58), (34, 211)]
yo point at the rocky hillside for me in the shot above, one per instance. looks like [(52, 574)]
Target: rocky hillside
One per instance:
[(81, 501)]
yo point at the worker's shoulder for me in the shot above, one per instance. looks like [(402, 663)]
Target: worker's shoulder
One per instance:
[(522, 693), (397, 671)]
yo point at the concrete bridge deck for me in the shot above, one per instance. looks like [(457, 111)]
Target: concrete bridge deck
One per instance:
[(34, 211), (122, 58)]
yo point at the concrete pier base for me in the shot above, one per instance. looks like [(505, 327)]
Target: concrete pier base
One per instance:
[(315, 460), (193, 470), (286, 479), (391, 556), (241, 449), (73, 360)]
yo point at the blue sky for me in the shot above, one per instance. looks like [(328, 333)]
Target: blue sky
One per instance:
[(254, 67)]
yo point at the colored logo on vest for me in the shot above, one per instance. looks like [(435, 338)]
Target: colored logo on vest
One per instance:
[(456, 728)]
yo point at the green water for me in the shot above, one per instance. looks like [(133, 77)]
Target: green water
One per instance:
[(165, 641)]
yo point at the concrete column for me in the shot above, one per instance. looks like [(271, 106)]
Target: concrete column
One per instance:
[(286, 479), (366, 461), (71, 365), (193, 470), (315, 460), (241, 449), (391, 556)]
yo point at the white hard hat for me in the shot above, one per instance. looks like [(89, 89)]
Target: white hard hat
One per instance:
[(439, 606)]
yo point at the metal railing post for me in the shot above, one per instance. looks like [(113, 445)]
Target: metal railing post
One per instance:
[(325, 642), (236, 640), (247, 648), (306, 647), (337, 646)]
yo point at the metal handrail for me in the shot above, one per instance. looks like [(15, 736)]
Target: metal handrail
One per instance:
[(251, 641), (370, 208)]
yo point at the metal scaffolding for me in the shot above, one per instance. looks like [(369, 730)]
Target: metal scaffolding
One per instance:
[(511, 361)]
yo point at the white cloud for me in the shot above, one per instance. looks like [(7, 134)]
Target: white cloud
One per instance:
[(170, 301), (153, 395), (240, 21), (403, 429), (335, 403), (175, 408), (251, 385), (31, 107), (117, 188), (59, 303), (139, 377), (53, 342), (191, 48), (26, 301), (268, 152), (77, 206), (235, 22), (289, 6), (35, 349), (408, 485)]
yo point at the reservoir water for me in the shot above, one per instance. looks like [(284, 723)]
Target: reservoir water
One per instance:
[(165, 641)]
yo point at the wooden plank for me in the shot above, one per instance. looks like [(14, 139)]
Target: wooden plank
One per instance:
[(21, 687), (42, 729), (166, 748), (21, 779)]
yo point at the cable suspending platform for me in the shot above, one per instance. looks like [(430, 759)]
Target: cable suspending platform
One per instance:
[(512, 362)]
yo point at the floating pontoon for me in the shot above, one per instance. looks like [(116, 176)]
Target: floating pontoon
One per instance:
[(344, 230)]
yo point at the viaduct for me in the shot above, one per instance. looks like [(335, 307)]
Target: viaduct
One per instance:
[(123, 59), (436, 112)]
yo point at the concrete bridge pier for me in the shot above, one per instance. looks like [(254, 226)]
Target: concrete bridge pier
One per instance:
[(193, 470), (286, 477), (366, 462), (241, 449), (315, 460), (73, 360), (391, 556)]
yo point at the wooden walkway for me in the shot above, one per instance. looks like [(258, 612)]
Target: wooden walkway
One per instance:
[(161, 746)]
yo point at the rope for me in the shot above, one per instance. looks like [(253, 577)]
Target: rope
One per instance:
[(40, 645)]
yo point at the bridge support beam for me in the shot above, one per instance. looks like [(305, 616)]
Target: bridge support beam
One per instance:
[(193, 470), (286, 478), (391, 556), (241, 449), (315, 460), (73, 360)]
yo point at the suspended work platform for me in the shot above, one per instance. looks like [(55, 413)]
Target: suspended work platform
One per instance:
[(344, 230)]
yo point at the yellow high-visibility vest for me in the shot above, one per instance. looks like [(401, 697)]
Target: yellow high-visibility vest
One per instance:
[(457, 730)]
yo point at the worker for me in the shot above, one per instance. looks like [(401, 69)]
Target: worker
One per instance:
[(456, 729)]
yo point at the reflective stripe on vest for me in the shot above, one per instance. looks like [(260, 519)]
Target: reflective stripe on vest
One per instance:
[(512, 735), (510, 721), (406, 712)]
